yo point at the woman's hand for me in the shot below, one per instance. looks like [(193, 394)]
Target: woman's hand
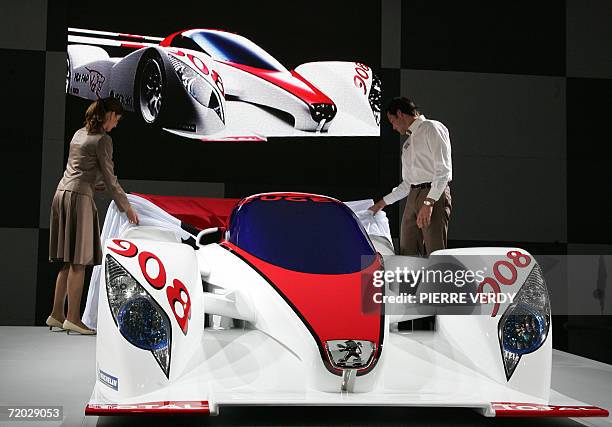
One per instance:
[(132, 215)]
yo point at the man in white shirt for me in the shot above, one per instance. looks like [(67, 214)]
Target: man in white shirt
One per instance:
[(426, 172)]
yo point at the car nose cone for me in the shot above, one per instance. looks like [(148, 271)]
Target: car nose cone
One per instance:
[(350, 354)]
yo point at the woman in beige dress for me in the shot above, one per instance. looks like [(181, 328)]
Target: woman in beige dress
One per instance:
[(75, 232)]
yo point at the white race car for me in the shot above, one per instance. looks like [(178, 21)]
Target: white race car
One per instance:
[(216, 85), (278, 304)]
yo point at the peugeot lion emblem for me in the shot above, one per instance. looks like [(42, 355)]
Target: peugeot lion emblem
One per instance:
[(350, 354)]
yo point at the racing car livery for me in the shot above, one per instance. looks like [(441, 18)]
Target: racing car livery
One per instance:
[(271, 300), (216, 85)]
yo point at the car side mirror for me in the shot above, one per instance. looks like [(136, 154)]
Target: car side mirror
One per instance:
[(209, 235)]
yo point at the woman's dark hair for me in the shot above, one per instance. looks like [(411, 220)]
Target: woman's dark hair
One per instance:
[(403, 104), (96, 113)]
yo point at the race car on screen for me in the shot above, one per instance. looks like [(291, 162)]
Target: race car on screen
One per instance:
[(205, 83), (287, 281)]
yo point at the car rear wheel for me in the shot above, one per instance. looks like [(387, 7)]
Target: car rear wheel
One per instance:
[(150, 87)]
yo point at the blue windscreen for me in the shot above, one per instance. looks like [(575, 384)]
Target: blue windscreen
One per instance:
[(234, 48), (320, 237)]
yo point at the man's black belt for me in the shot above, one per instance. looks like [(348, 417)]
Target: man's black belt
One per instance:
[(424, 185)]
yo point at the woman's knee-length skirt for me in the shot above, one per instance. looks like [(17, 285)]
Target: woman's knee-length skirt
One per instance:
[(74, 234)]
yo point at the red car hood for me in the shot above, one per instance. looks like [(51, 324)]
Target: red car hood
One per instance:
[(332, 306)]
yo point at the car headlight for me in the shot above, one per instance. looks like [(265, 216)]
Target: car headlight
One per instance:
[(197, 87), (322, 111), (375, 98), (524, 326), (140, 319)]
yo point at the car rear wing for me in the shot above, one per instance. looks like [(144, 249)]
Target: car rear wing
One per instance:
[(108, 38)]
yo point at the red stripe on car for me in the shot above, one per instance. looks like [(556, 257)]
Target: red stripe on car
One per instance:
[(293, 83), (133, 45)]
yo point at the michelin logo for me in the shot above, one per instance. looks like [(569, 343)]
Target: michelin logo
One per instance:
[(108, 380)]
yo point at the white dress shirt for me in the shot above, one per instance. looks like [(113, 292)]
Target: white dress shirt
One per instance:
[(426, 157)]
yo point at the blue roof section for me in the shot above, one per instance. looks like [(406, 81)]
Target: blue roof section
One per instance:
[(319, 237), (234, 48)]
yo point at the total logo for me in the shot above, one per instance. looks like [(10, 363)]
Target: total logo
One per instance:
[(289, 197), (166, 407)]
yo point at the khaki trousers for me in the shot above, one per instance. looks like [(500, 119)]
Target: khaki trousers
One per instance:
[(421, 242)]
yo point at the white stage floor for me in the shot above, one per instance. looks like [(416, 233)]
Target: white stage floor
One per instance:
[(38, 367)]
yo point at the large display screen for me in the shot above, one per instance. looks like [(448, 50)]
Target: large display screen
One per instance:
[(245, 71)]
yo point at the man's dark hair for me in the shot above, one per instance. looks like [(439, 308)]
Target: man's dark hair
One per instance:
[(403, 104)]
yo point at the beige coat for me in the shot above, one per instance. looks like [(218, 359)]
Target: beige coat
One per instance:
[(74, 234), (90, 167)]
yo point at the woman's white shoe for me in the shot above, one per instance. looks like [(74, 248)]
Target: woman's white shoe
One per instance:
[(69, 326), (52, 322)]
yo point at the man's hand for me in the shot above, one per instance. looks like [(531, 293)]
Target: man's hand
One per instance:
[(424, 216), (378, 206)]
